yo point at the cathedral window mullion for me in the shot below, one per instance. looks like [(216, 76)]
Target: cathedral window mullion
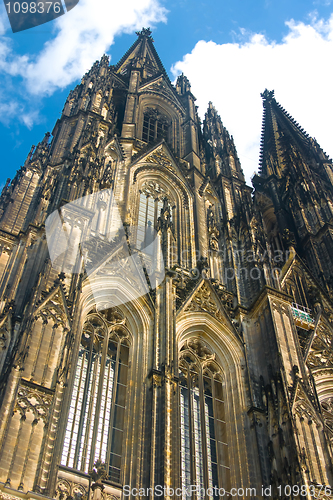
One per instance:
[(141, 218), (146, 214), (88, 426), (221, 438), (77, 457), (204, 434), (145, 128), (210, 437), (74, 410), (114, 386), (155, 126), (191, 426), (113, 405), (156, 209), (98, 422), (216, 475), (186, 444), (151, 132), (107, 410), (150, 212), (155, 129), (197, 437), (155, 206)]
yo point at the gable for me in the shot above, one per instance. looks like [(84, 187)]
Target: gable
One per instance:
[(204, 299), (54, 306), (119, 275), (296, 266), (161, 87), (160, 159)]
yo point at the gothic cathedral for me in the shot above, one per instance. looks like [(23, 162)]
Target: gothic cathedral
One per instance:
[(165, 330)]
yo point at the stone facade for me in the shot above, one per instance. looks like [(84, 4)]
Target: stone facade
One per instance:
[(220, 374)]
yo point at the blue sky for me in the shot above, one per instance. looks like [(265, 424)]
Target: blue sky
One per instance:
[(230, 51)]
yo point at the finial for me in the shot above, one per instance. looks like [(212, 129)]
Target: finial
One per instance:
[(145, 32), (183, 85), (267, 95), (105, 60), (46, 138)]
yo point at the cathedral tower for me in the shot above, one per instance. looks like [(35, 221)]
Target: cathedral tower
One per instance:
[(162, 325)]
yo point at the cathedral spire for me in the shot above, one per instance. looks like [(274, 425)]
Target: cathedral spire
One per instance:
[(284, 142), (221, 154), (295, 177), (142, 55)]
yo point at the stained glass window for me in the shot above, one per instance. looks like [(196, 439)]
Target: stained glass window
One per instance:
[(95, 424), (204, 449)]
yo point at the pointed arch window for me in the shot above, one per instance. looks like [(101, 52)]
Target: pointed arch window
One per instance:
[(153, 200), (155, 126), (204, 455), (95, 426)]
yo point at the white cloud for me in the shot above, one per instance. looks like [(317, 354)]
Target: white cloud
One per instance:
[(85, 33), (80, 37), (4, 23), (233, 75)]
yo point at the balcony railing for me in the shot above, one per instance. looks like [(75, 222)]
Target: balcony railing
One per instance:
[(302, 317)]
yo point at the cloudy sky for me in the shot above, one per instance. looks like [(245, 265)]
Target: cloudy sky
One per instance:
[(230, 51)]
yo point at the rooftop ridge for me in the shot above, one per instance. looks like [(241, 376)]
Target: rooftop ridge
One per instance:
[(127, 53), (292, 120)]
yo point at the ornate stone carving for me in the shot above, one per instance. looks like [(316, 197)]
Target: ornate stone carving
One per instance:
[(120, 267), (321, 353), (6, 496), (327, 412), (203, 301), (160, 158), (97, 250), (30, 399), (154, 189), (68, 490), (157, 380), (98, 473), (198, 347), (63, 489), (304, 411), (164, 221), (113, 316), (194, 350), (161, 87), (145, 32)]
